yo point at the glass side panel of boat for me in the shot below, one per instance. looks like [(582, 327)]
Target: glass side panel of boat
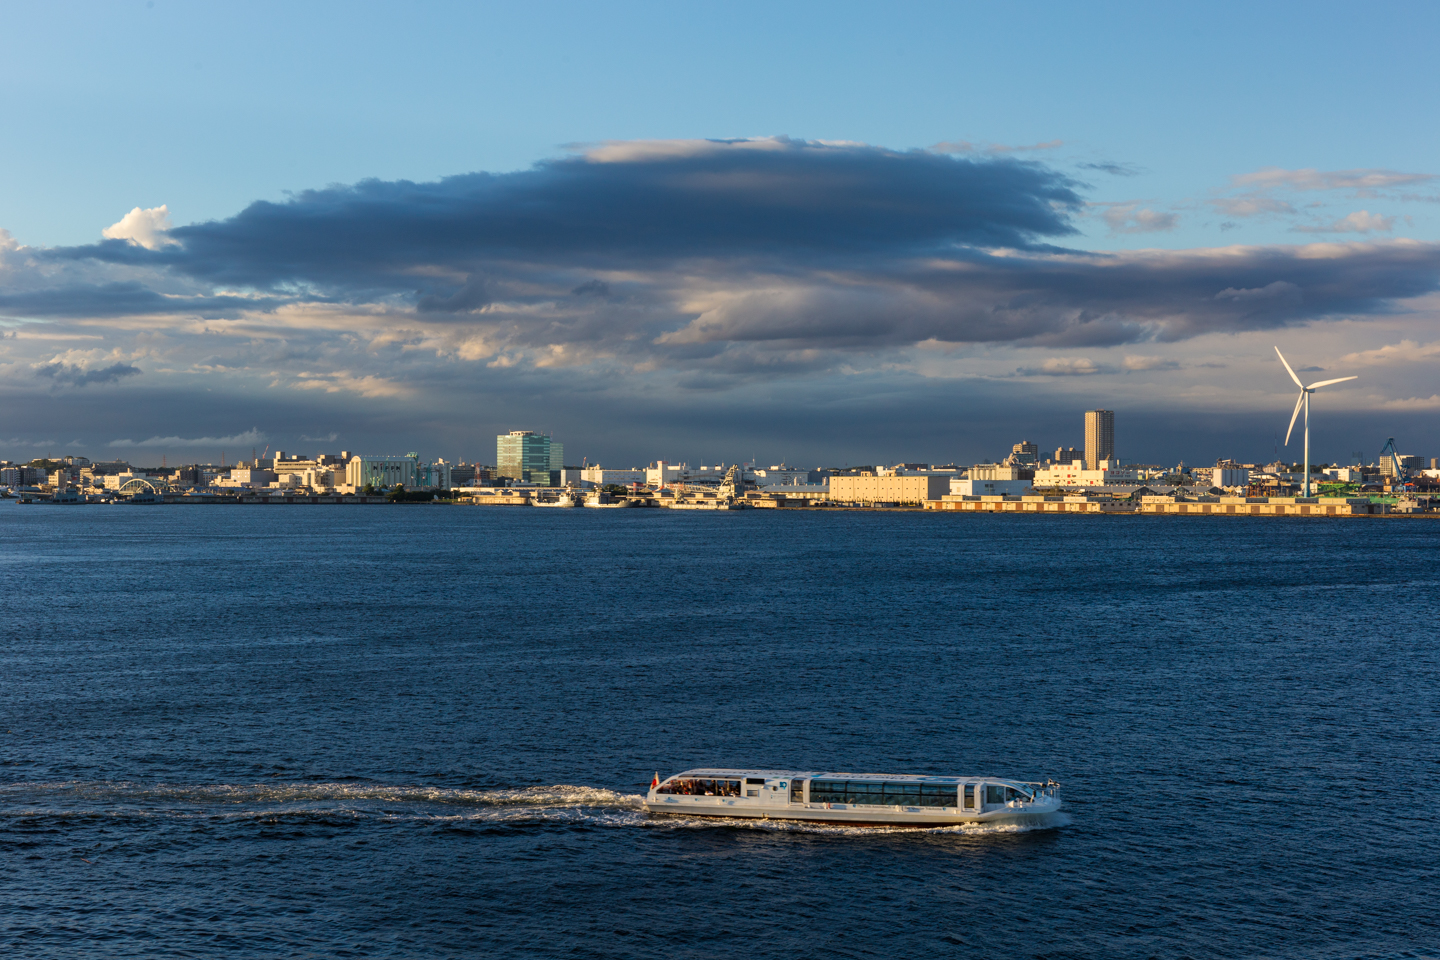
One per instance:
[(860, 799)]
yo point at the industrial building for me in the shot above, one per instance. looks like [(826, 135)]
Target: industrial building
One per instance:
[(600, 476), (916, 488), (380, 472), (1105, 473)]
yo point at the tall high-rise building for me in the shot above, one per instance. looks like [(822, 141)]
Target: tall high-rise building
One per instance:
[(1099, 437), (529, 457)]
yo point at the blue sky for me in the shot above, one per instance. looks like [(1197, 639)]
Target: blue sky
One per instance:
[(1264, 128)]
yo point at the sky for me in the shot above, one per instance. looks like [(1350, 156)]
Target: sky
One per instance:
[(826, 234)]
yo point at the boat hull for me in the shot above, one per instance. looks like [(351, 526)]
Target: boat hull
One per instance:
[(854, 815)]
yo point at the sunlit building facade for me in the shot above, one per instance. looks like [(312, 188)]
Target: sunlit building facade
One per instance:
[(1099, 437), (529, 457)]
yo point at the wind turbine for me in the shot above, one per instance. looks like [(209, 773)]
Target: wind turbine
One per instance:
[(1304, 401)]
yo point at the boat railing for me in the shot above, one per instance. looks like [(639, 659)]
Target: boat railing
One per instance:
[(1049, 788)]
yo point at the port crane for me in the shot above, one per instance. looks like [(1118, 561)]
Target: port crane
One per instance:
[(1389, 448)]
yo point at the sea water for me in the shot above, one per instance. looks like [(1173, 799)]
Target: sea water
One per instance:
[(424, 730)]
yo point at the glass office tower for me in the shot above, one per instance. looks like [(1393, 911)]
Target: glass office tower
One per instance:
[(529, 456)]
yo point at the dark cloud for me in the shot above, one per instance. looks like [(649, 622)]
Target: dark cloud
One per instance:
[(472, 295), (1085, 300), (719, 262), (77, 376), (624, 205), (123, 299), (592, 288)]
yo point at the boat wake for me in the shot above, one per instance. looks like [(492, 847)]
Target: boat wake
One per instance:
[(1010, 825), (278, 801), (559, 804)]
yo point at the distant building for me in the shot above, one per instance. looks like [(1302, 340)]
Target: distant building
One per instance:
[(1387, 466), (601, 476), (1025, 453), (1099, 437), (998, 471), (1228, 475), (1107, 473), (915, 488), (433, 476), (662, 473), (973, 486), (470, 475), (239, 476), (781, 476), (379, 472), (1067, 455), (529, 457)]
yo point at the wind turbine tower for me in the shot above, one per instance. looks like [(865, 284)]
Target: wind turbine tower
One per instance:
[(1304, 401)]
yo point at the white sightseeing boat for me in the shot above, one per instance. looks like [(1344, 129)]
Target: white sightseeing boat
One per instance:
[(859, 799)]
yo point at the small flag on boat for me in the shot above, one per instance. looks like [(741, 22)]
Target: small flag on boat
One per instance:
[(656, 782)]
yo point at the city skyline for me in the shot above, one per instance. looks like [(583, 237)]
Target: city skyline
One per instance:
[(753, 278)]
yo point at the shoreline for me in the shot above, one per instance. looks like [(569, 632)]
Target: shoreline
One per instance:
[(1092, 508)]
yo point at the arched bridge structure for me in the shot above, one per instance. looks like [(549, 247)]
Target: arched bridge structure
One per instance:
[(144, 485)]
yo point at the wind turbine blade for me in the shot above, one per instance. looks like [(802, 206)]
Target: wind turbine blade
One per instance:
[(1298, 404), (1326, 383), (1288, 370)]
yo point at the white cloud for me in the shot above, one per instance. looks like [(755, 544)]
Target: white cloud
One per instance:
[(1404, 351), (1149, 363), (1251, 205), (1361, 221), (1431, 402), (1063, 367), (631, 151), (251, 436), (342, 381), (965, 146), (1311, 179), (148, 228), (1132, 218), (326, 439)]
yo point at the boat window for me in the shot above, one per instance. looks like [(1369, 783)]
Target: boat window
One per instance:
[(879, 793), (937, 795), (970, 796), (701, 788), (902, 794), (797, 791), (866, 792)]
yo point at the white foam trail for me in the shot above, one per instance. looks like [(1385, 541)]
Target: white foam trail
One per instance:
[(270, 800), (1025, 824), (285, 792)]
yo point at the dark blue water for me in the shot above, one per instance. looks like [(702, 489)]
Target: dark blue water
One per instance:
[(421, 731)]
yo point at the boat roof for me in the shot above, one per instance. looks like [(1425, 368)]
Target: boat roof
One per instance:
[(726, 773)]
